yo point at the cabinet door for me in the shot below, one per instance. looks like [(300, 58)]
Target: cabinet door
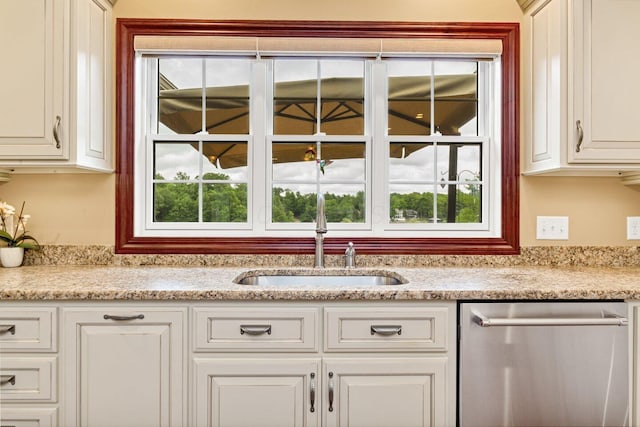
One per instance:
[(634, 364), (32, 78), (606, 85), (256, 392), (121, 372), (386, 392)]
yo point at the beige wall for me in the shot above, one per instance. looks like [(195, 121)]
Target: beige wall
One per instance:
[(80, 208)]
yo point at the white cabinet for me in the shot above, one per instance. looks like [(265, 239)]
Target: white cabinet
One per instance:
[(580, 87), (634, 362), (257, 392), (124, 366), (379, 364), (28, 365), (56, 91), (385, 391)]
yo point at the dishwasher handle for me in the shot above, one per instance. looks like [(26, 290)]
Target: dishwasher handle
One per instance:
[(608, 319)]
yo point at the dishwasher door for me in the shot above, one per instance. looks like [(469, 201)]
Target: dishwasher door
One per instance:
[(543, 364)]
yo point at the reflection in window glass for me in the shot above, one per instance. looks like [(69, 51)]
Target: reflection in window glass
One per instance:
[(224, 203), (179, 95), (411, 161), (409, 98), (342, 97), (227, 94), (227, 159), (295, 97), (175, 202), (456, 98), (411, 203), (459, 203), (344, 203), (175, 160)]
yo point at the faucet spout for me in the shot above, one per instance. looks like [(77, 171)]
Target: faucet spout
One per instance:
[(321, 229)]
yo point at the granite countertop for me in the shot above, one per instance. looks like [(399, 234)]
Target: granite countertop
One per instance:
[(213, 283)]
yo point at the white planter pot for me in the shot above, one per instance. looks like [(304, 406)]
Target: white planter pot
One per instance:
[(11, 257)]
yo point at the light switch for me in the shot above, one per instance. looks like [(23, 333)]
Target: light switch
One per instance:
[(552, 228), (633, 228)]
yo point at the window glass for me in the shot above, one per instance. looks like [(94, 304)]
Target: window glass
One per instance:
[(295, 99), (455, 106), (180, 94), (342, 97), (409, 97), (227, 96)]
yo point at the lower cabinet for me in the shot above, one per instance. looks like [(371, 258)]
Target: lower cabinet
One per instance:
[(291, 392), (28, 417), (256, 392), (124, 367), (407, 392)]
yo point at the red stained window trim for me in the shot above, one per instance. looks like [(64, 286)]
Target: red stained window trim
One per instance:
[(126, 243)]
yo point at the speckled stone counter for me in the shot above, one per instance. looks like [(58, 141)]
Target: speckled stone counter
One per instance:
[(210, 283)]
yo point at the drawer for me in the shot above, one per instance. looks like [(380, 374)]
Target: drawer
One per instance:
[(386, 329), (255, 328), (28, 417), (28, 329), (27, 379)]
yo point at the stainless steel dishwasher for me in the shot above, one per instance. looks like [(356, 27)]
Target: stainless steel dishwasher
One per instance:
[(543, 364)]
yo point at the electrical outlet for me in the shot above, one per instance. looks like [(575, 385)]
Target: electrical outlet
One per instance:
[(552, 228), (633, 228)]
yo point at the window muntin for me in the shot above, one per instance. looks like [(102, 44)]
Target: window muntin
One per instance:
[(301, 159)]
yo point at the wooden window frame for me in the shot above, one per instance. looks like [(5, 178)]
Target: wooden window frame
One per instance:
[(127, 243)]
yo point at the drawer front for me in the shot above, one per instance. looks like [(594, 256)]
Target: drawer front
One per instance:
[(259, 328), (28, 329), (28, 379), (28, 417), (386, 329)]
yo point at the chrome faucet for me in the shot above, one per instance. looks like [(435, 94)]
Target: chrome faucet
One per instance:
[(321, 229)]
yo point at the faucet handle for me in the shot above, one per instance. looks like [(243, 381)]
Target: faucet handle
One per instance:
[(350, 256)]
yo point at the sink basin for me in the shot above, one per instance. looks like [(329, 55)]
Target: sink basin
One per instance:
[(345, 278)]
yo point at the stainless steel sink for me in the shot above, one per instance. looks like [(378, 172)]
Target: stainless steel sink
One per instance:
[(320, 278)]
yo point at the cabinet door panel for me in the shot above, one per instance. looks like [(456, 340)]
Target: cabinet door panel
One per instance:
[(256, 392), (31, 76), (386, 392), (605, 81), (127, 373)]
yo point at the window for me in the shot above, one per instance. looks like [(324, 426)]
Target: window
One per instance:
[(414, 152)]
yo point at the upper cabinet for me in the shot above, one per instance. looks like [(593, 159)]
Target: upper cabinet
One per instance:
[(580, 87), (56, 94)]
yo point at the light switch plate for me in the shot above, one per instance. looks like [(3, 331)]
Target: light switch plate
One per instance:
[(552, 228), (633, 228)]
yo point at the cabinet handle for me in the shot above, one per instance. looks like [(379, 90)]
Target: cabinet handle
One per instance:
[(330, 391), (8, 328), (56, 129), (255, 329), (580, 135), (312, 392), (7, 379), (386, 330), (116, 317)]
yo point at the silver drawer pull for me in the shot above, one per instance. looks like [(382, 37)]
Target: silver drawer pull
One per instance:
[(255, 329), (116, 317), (331, 391), (312, 392), (580, 135), (8, 328), (386, 330), (607, 320), (56, 131), (7, 379)]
